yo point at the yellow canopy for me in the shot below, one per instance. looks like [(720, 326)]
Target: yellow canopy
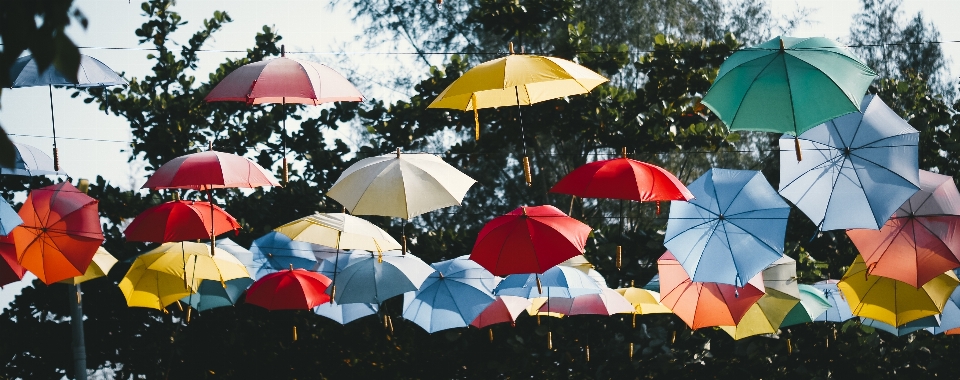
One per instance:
[(765, 316), (143, 287), (535, 305), (643, 300), (99, 267), (194, 262), (338, 230), (894, 302)]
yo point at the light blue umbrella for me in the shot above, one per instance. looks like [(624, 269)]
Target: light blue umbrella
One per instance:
[(929, 323), (558, 282), (366, 277), (30, 161), (275, 251), (451, 297), (345, 313), (860, 168), (9, 218), (732, 230), (839, 310), (211, 294)]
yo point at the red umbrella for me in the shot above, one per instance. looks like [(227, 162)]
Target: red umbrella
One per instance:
[(209, 170), (294, 289), (704, 304), (10, 269), (921, 240), (529, 240), (60, 232), (178, 221)]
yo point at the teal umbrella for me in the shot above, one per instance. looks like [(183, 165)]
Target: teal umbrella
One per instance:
[(812, 304), (212, 294), (788, 85)]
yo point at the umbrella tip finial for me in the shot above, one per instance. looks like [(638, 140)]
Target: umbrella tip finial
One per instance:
[(781, 44), (398, 152), (511, 47), (623, 152), (291, 266), (283, 50)]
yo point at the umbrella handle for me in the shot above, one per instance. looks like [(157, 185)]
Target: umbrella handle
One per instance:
[(619, 256), (796, 144), (476, 116), (526, 171), (539, 287)]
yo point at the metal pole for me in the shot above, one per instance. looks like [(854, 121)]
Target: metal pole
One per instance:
[(76, 324)]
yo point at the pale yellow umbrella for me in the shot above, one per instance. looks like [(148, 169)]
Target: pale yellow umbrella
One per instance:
[(99, 267), (192, 262), (534, 309)]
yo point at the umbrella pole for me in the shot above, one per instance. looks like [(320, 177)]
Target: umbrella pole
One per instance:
[(283, 138), (213, 235), (526, 160), (620, 247), (76, 324), (53, 123), (336, 265)]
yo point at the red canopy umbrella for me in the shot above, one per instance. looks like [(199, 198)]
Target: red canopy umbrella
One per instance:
[(704, 304), (60, 232), (530, 239), (921, 240), (284, 80), (179, 221), (294, 289), (10, 269), (503, 309)]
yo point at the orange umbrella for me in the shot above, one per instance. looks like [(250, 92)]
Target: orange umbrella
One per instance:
[(60, 232), (704, 304)]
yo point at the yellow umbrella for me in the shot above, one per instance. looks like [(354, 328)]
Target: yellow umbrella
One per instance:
[(643, 300), (894, 302), (341, 231), (765, 316), (143, 287), (536, 304), (191, 262), (99, 267)]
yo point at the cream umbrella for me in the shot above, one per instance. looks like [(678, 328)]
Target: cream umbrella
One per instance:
[(99, 267)]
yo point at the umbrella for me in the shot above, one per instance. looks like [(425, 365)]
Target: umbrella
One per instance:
[(451, 297), (644, 301), (8, 218), (179, 221), (30, 161), (861, 169), (534, 309), (502, 309), (292, 289), (101, 264), (608, 302), (782, 276), (704, 304), (192, 262), (60, 234), (732, 230), (930, 323), (91, 73), (242, 254), (921, 240), (788, 85), (516, 80), (558, 282), (891, 301), (580, 263), (813, 303), (839, 309), (212, 294), (284, 80), (209, 170), (345, 313), (143, 287), (529, 240), (10, 269), (340, 231), (653, 284), (950, 317), (765, 316), (275, 252), (366, 277)]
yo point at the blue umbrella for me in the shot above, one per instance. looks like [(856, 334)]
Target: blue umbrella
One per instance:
[(9, 218), (211, 294), (929, 323), (558, 282), (345, 313), (275, 251), (839, 310), (653, 284), (860, 169), (30, 161), (732, 230), (451, 297), (366, 277)]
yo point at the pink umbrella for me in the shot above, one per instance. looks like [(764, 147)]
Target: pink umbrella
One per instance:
[(503, 309), (609, 302)]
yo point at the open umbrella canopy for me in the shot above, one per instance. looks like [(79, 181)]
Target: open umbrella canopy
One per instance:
[(366, 277), (782, 276), (284, 80), (891, 301), (452, 296), (653, 284), (194, 262), (340, 231), (101, 264), (921, 240), (644, 301), (950, 316), (530, 239), (10, 269), (275, 251), (704, 304), (813, 303), (292, 289), (345, 313), (143, 287), (788, 85), (179, 221), (623, 178), (732, 230), (212, 294), (608, 302), (209, 170), (400, 185), (503, 309), (60, 233), (580, 263), (557, 282), (859, 169), (91, 73), (30, 161), (926, 323), (9, 219), (765, 316), (839, 310)]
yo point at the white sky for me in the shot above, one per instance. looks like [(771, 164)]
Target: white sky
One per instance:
[(306, 25)]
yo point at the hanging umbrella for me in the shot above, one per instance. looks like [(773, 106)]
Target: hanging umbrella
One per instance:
[(891, 301), (653, 284), (292, 289), (242, 254), (179, 221), (921, 240), (516, 80), (340, 231), (950, 316), (209, 170), (452, 296), (861, 168), (345, 313), (788, 85), (10, 269), (91, 73), (9, 219), (192, 262), (557, 282), (782, 276), (580, 263), (644, 301), (608, 302), (765, 316), (366, 277), (274, 252), (30, 161), (503, 309), (704, 304), (839, 310), (284, 80), (213, 294), (529, 240), (813, 303), (536, 304), (60, 234), (926, 323), (99, 267), (732, 230), (143, 287)]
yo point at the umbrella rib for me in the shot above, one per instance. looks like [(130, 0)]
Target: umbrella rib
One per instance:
[(755, 237), (830, 161)]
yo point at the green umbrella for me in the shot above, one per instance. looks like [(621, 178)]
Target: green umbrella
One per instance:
[(788, 85), (812, 303)]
